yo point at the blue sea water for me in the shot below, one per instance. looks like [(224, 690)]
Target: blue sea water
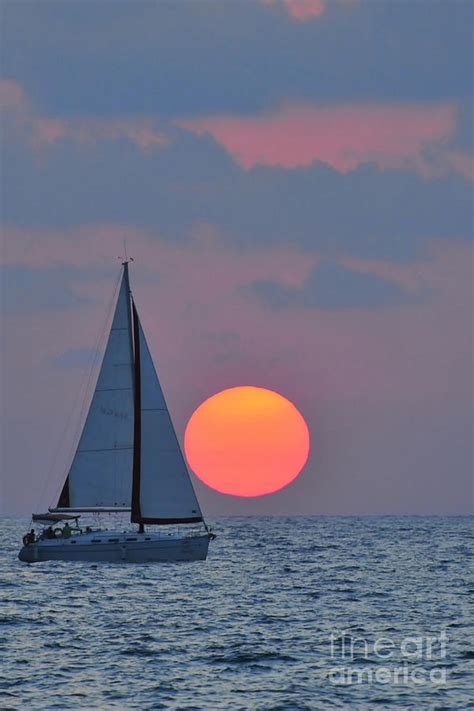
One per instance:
[(259, 625)]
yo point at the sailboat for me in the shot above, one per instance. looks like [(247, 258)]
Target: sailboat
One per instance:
[(128, 461)]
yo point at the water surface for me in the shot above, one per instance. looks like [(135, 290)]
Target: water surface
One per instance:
[(251, 627)]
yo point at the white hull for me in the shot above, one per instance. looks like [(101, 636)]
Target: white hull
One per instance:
[(113, 547)]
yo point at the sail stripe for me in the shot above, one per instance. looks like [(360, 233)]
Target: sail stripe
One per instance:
[(105, 449)]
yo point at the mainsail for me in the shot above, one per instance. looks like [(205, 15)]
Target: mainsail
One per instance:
[(100, 471), (128, 454)]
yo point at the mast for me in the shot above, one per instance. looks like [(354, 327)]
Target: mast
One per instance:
[(126, 280), (137, 431), (135, 350)]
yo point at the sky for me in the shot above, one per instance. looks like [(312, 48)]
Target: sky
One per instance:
[(293, 179)]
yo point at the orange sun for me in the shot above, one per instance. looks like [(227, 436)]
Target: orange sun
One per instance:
[(246, 441)]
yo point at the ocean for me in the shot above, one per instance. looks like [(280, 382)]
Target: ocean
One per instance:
[(286, 613)]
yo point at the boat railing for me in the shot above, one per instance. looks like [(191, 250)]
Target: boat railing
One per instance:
[(77, 531)]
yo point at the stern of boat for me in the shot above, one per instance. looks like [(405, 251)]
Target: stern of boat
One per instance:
[(29, 553)]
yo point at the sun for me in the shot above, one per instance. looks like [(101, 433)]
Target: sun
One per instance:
[(247, 441)]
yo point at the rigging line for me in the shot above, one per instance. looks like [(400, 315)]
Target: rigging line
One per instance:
[(85, 389)]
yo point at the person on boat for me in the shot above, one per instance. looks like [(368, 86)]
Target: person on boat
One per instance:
[(48, 533), (31, 536), (67, 531)]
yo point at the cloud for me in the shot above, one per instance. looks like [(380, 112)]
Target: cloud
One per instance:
[(366, 212), (301, 10), (393, 136), (461, 162), (305, 10), (26, 289), (194, 180), (384, 51), (331, 286), (349, 282), (41, 131), (142, 132), (414, 137), (12, 96), (90, 253)]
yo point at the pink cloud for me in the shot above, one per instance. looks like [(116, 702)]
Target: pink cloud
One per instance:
[(300, 9), (12, 96), (49, 130), (42, 131), (304, 10), (408, 136), (435, 270), (140, 131), (99, 245), (414, 137)]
